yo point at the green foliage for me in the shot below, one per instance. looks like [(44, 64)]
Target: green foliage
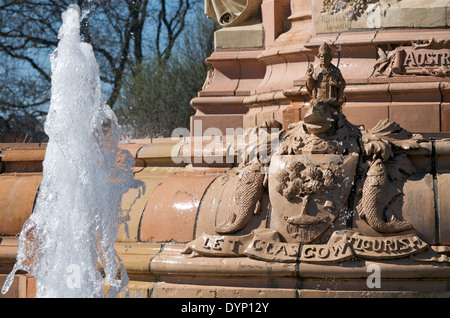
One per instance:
[(155, 100), (20, 127), (156, 95)]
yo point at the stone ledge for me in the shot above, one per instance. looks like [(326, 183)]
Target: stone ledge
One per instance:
[(399, 275), (170, 290), (247, 36), (24, 286)]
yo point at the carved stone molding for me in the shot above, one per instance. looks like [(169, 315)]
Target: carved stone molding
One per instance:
[(349, 15), (429, 58), (266, 245), (229, 13)]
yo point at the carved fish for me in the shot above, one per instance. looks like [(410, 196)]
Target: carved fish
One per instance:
[(377, 194), (248, 196)]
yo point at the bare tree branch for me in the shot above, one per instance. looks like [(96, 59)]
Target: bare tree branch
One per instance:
[(26, 58), (117, 29), (173, 26)]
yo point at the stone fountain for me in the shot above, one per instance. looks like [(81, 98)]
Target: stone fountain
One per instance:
[(317, 163)]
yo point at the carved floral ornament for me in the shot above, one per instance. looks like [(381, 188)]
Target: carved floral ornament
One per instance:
[(323, 170), (353, 8)]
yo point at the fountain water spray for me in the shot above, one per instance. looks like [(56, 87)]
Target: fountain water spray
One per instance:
[(67, 244)]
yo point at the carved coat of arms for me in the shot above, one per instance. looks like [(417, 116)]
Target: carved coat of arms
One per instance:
[(309, 192), (323, 172)]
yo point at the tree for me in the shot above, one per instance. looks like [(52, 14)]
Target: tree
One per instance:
[(156, 97), (115, 28)]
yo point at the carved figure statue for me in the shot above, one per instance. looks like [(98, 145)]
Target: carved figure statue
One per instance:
[(325, 81)]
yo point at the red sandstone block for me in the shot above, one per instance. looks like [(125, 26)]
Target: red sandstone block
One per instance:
[(445, 117), (17, 195), (23, 154), (416, 117), (367, 114), (171, 211)]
